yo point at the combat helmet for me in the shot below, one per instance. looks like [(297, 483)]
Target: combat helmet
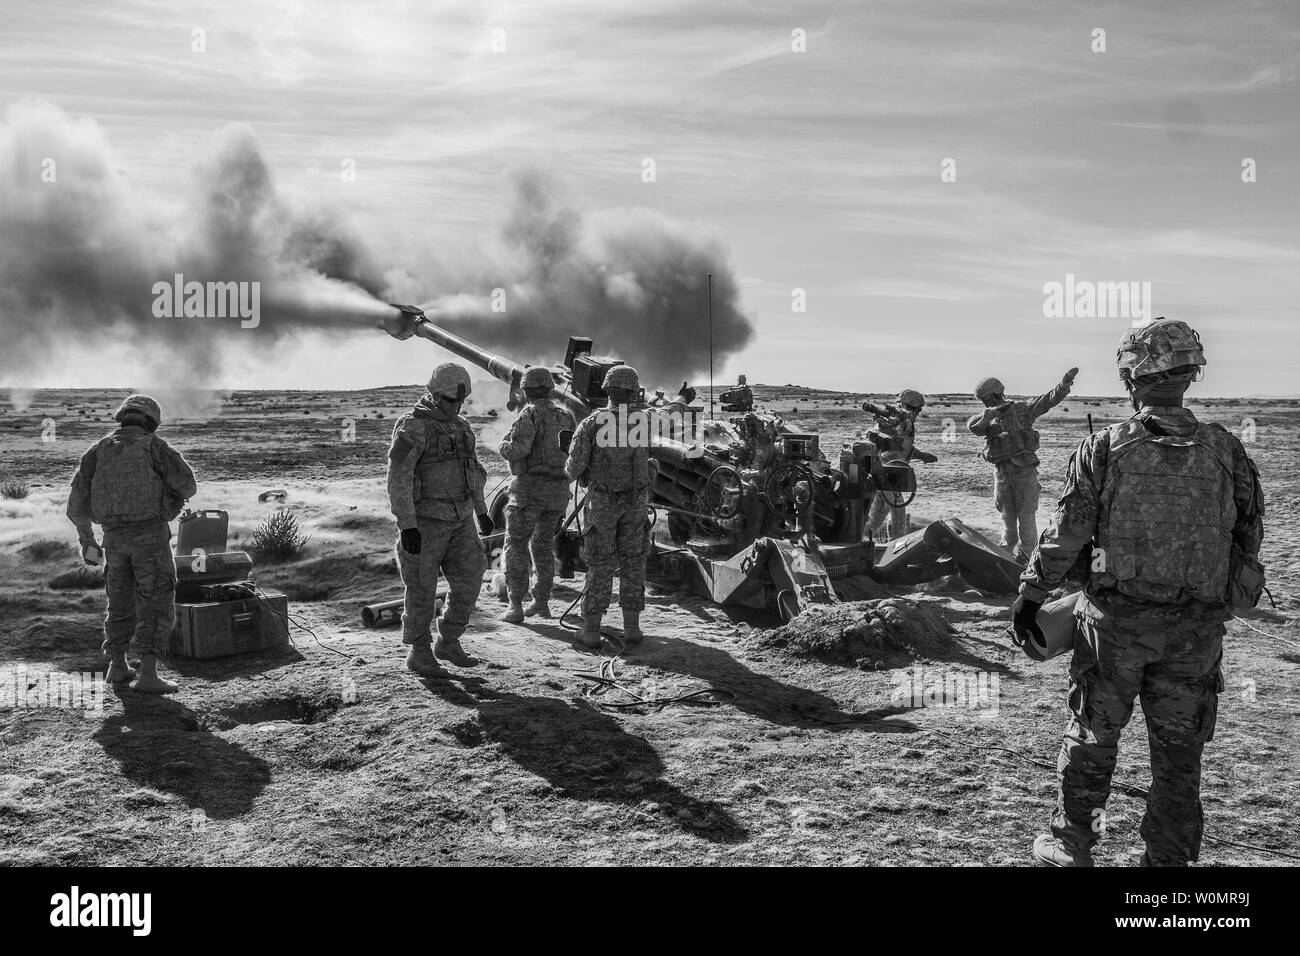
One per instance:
[(622, 376), (989, 386), (911, 397), (140, 405), (538, 376), (1159, 346), (451, 380)]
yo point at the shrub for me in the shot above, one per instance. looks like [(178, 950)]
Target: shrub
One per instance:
[(14, 489), (43, 549), (78, 579), (278, 536)]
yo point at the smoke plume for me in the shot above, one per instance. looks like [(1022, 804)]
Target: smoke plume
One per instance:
[(633, 280), (81, 250)]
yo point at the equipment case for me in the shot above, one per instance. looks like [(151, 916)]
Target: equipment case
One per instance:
[(224, 628)]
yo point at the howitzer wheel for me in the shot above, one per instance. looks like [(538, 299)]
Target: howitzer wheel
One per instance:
[(779, 487), (722, 492)]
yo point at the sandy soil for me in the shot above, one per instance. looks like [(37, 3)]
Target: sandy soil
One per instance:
[(331, 752)]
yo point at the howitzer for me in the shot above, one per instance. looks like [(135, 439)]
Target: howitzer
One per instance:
[(745, 510)]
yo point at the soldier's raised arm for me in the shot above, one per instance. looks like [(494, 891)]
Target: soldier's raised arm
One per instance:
[(1041, 405)]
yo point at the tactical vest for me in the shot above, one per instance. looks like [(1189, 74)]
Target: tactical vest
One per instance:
[(127, 486), (448, 469), (1167, 513), (618, 467), (546, 457), (1019, 437)]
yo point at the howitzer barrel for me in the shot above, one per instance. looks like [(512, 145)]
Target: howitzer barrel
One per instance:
[(410, 320)]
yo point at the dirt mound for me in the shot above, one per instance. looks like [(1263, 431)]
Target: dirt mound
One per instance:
[(859, 587), (873, 635)]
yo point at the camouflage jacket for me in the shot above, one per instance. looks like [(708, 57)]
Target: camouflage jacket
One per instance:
[(609, 453), (433, 467), (172, 477), (1084, 516), (536, 444), (1008, 432)]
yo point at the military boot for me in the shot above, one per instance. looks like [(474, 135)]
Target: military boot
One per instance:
[(589, 637), (1050, 851), (537, 607), (515, 613), (421, 660), (119, 671), (148, 682), (632, 635), (449, 649)]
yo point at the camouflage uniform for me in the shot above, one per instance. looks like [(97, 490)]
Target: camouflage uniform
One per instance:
[(435, 483), (1163, 498), (1010, 444), (539, 493), (899, 430), (616, 530), (133, 483)]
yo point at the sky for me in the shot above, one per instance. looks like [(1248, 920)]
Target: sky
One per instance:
[(808, 139)]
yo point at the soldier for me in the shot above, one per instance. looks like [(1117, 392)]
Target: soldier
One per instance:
[(659, 401), (1165, 513), (1010, 443), (896, 428), (435, 490), (611, 458), (740, 398), (133, 483), (536, 447)]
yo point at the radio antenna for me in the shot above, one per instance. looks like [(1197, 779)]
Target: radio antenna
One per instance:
[(711, 345)]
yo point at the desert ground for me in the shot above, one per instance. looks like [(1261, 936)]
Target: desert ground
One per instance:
[(331, 752)]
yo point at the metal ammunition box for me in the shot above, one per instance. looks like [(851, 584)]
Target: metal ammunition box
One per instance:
[(224, 628)]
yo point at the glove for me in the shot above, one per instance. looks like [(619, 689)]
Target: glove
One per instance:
[(925, 456), (411, 540), (92, 554), (1068, 378), (1024, 614), (485, 525)]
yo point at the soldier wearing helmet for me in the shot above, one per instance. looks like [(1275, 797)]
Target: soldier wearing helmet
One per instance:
[(133, 483), (1010, 443), (610, 457), (435, 491), (1162, 516), (738, 399), (536, 447), (894, 434)]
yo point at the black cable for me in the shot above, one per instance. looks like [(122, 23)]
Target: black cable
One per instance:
[(290, 618)]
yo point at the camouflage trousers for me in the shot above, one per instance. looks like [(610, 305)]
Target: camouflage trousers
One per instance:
[(882, 511), (1175, 672), (616, 533), (140, 579), (452, 547), (1015, 495), (530, 529)]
